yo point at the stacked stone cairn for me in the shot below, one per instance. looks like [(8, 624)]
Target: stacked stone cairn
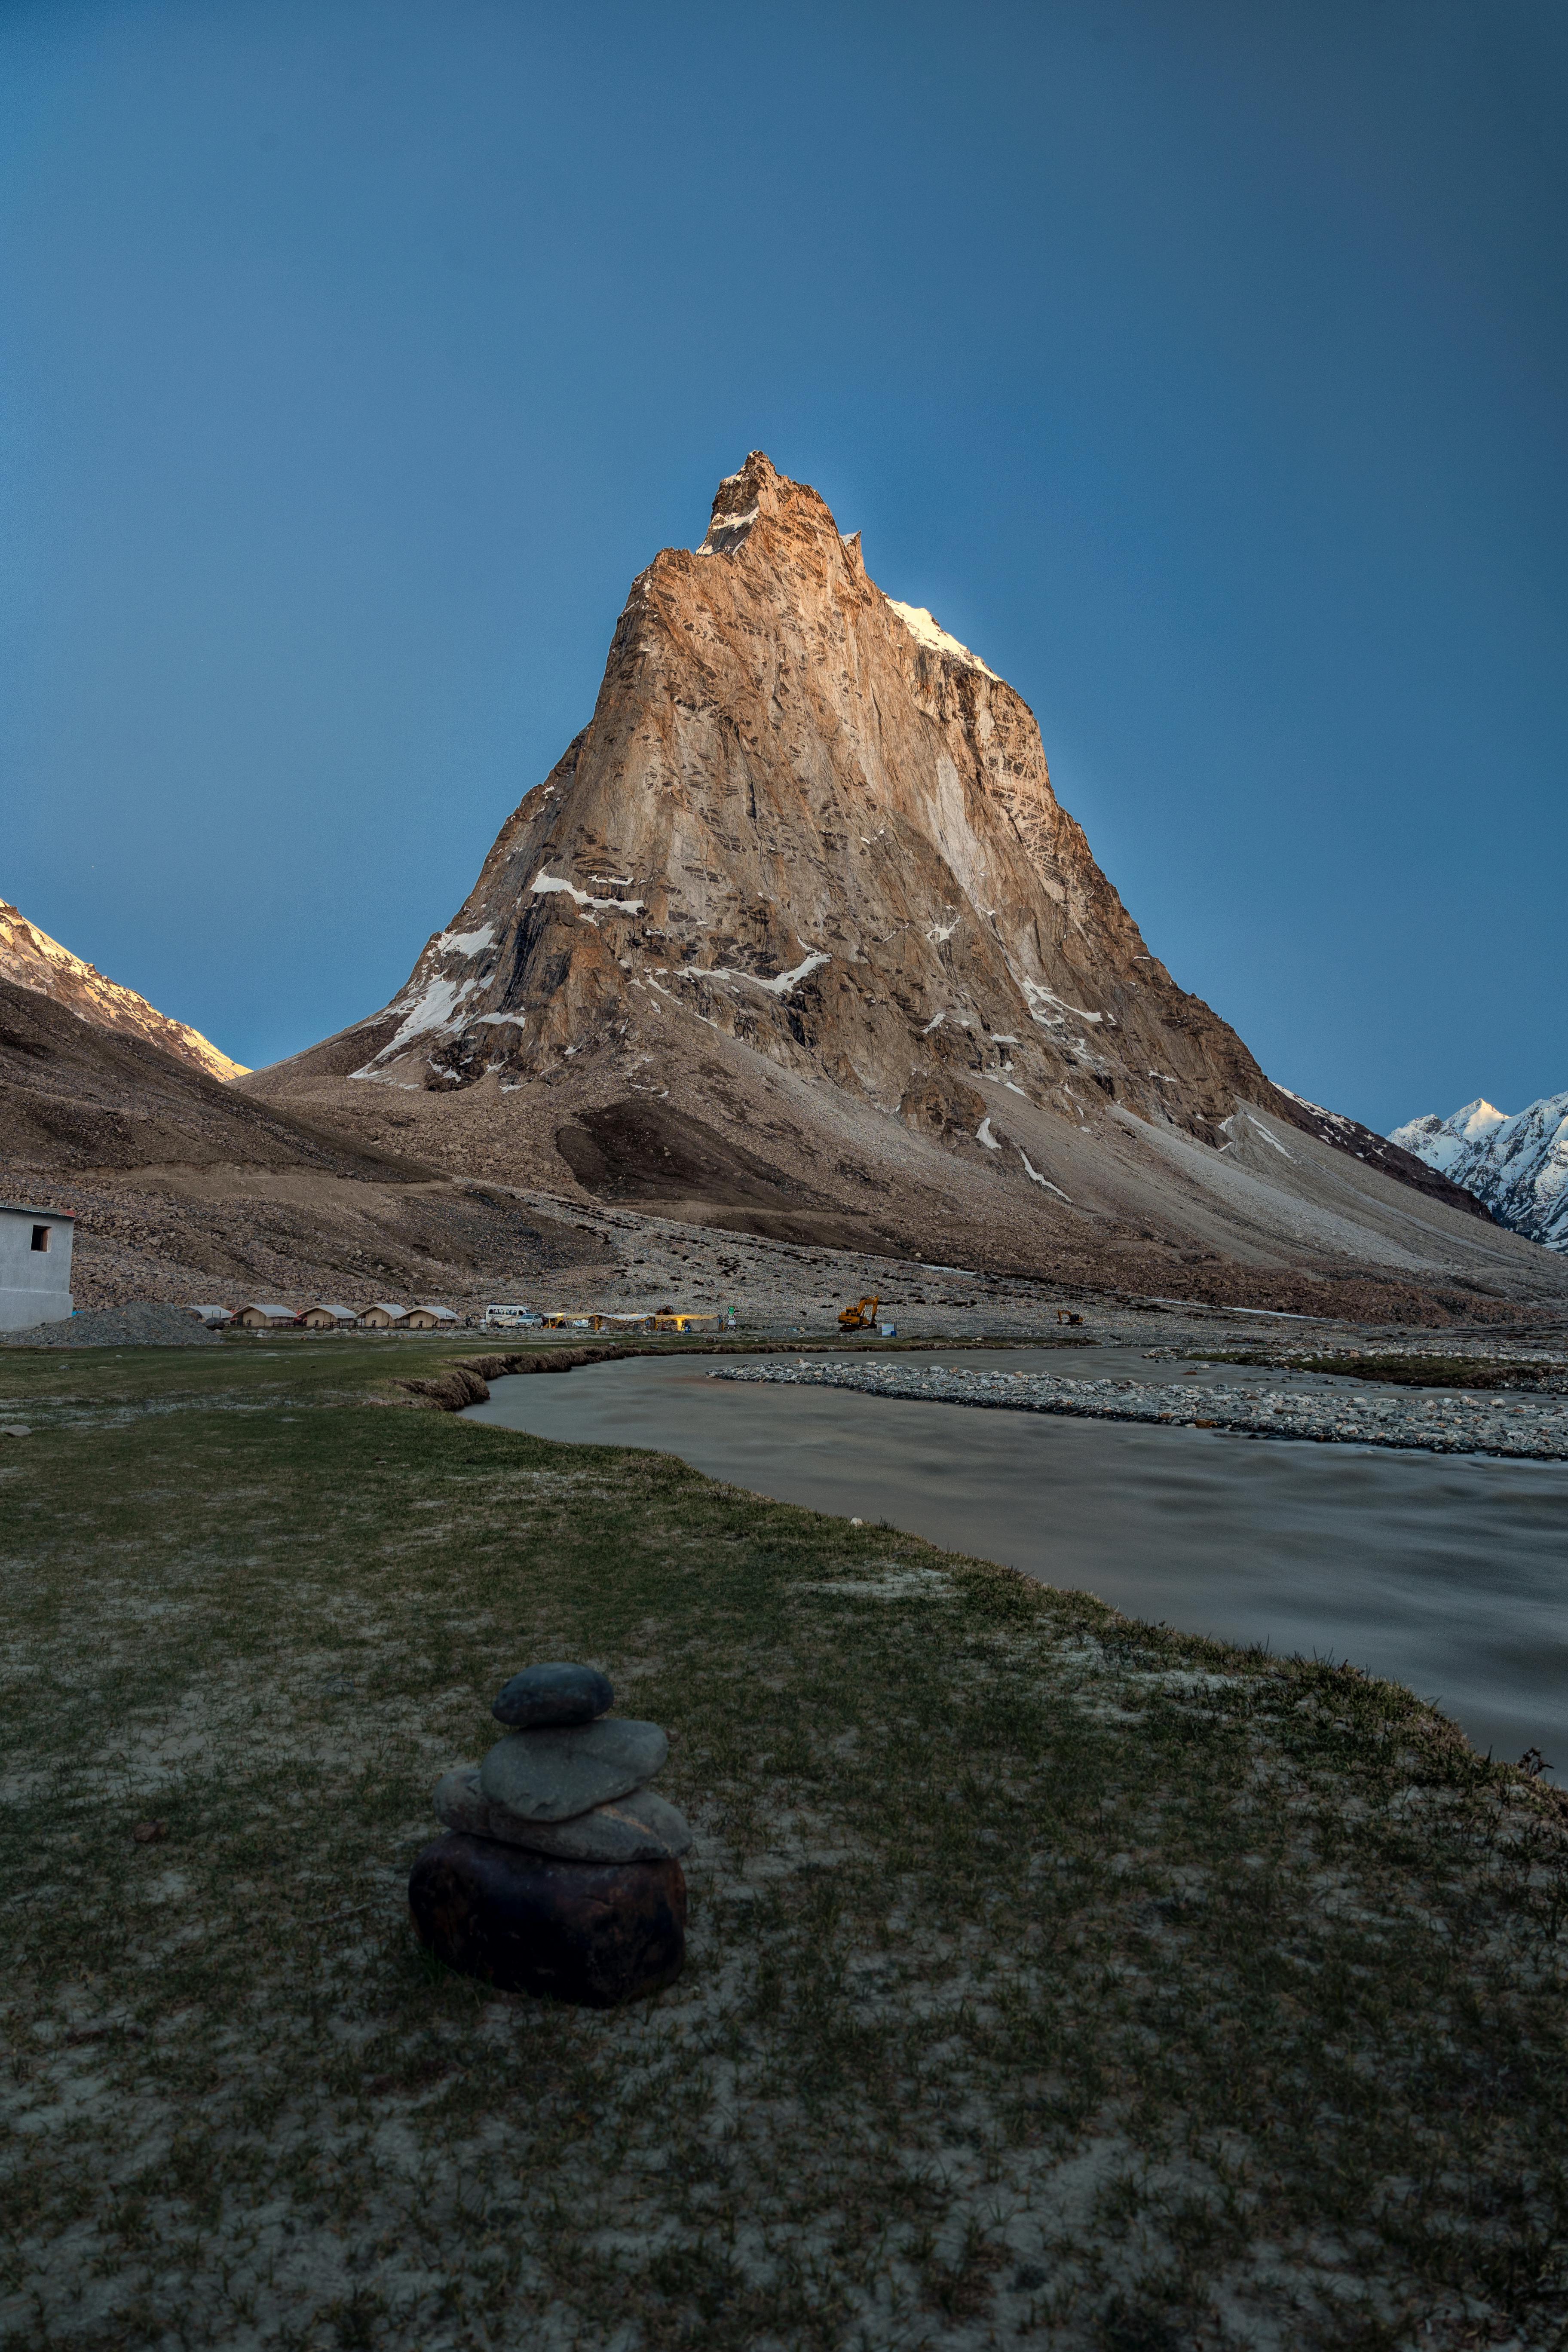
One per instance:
[(559, 1872)]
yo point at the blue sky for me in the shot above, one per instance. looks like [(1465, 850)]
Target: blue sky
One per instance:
[(1200, 365)]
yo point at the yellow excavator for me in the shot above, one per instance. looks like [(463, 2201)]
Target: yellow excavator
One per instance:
[(860, 1317)]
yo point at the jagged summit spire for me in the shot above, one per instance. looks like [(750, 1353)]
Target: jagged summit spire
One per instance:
[(741, 499), (808, 818), (802, 882)]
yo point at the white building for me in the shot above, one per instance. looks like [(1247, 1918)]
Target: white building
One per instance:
[(35, 1266)]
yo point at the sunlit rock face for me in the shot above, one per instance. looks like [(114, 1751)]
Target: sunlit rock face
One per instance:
[(807, 816), (1518, 1165)]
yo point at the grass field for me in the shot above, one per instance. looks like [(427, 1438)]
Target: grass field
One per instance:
[(1053, 1979)]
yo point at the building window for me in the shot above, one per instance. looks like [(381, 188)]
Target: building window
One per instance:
[(40, 1237)]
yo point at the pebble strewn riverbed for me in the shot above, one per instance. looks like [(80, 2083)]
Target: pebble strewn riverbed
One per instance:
[(1422, 1420)]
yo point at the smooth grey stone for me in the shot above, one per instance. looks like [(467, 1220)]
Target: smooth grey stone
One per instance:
[(547, 1776), (642, 1827), (552, 1694)]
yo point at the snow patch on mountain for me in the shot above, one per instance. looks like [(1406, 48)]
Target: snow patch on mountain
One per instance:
[(1518, 1165), (545, 883), (780, 985), (436, 1006), (466, 943)]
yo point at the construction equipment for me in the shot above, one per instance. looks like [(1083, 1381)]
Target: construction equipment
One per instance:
[(860, 1317), (1064, 1314)]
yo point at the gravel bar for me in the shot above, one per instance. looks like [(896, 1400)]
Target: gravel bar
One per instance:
[(1424, 1422)]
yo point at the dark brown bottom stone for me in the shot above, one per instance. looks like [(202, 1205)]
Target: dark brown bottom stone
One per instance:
[(593, 1932)]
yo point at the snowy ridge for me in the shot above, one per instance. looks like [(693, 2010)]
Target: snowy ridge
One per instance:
[(1385, 1151), (927, 632), (30, 958), (1518, 1165), (1332, 1116)]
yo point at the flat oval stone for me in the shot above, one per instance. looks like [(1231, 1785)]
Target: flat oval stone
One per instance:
[(599, 1933), (643, 1827), (558, 1693), (547, 1776)]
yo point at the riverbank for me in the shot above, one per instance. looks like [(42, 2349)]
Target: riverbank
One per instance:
[(1054, 1978), (1533, 1431)]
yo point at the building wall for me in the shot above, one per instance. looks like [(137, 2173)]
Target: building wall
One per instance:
[(35, 1285)]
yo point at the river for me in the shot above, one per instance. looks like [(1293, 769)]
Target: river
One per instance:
[(1446, 1573)]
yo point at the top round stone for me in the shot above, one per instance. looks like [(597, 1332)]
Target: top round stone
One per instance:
[(552, 1695)]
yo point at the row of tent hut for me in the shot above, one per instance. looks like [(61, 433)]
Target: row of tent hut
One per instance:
[(382, 1315)]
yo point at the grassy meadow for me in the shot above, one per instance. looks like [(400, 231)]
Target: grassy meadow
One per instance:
[(1053, 1979)]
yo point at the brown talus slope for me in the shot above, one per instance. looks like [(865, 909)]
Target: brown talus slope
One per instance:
[(186, 1188), (802, 888)]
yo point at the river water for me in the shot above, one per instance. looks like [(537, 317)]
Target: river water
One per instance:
[(1446, 1573)]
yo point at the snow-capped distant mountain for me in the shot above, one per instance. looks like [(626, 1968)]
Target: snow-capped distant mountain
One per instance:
[(1518, 1166)]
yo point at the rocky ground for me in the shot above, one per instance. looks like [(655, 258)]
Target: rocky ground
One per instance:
[(1414, 1420), (188, 1191), (620, 1261), (308, 1237), (633, 1263)]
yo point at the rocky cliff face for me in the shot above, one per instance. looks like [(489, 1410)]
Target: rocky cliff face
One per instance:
[(30, 959), (1518, 1165), (803, 814)]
